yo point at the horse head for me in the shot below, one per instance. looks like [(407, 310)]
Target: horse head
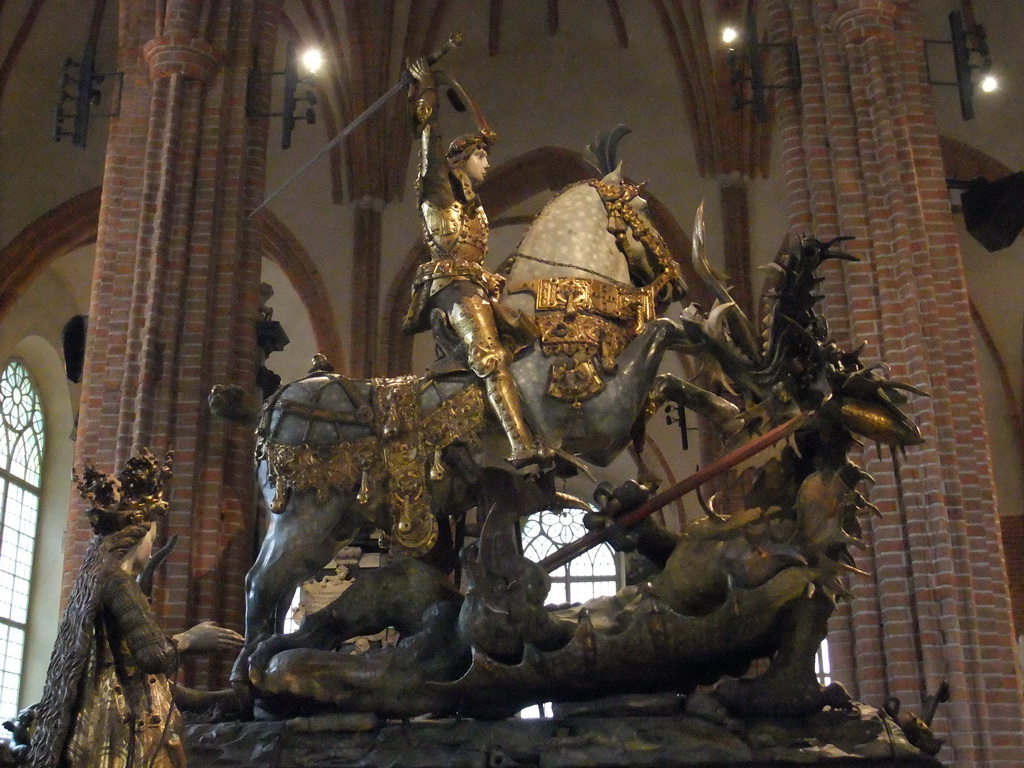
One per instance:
[(572, 237), (596, 230)]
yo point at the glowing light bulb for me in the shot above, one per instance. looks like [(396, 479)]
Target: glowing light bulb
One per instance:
[(989, 83), (312, 59), (729, 35)]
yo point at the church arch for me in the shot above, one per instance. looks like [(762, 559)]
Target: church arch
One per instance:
[(74, 223)]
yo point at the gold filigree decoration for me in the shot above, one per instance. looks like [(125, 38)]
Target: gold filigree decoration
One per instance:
[(574, 295), (585, 324), (413, 527), (389, 471), (668, 283)]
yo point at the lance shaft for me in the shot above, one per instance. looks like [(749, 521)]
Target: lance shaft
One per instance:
[(403, 82), (592, 538)]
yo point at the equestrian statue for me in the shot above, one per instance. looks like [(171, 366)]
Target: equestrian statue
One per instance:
[(549, 364)]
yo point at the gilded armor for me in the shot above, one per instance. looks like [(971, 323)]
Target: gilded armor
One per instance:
[(456, 231)]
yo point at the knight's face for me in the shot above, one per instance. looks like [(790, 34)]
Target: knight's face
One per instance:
[(477, 165)]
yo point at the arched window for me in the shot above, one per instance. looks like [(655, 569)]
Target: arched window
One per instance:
[(21, 457), (592, 574)]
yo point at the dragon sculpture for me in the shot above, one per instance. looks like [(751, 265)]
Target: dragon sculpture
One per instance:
[(752, 580)]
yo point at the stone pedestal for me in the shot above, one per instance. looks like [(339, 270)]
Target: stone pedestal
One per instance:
[(863, 737)]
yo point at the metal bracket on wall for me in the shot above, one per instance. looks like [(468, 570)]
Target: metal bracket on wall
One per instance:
[(962, 52), (292, 80), (746, 70), (80, 83)]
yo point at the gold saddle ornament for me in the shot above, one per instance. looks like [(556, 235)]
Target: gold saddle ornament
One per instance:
[(391, 469)]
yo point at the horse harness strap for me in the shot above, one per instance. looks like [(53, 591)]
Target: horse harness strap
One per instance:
[(573, 295), (577, 267), (321, 370), (624, 219)]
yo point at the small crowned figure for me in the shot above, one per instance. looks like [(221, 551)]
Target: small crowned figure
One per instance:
[(108, 698)]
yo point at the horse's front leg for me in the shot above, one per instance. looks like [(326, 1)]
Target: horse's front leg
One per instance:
[(671, 335), (301, 540)]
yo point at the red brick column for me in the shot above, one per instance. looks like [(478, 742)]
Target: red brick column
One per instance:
[(175, 290), (861, 157)]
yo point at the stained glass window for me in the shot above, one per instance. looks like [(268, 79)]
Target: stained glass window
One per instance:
[(592, 574), (21, 458)]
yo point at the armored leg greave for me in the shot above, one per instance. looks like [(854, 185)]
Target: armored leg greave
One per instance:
[(473, 320)]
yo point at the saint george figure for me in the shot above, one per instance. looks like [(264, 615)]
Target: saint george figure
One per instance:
[(455, 280), (107, 701)]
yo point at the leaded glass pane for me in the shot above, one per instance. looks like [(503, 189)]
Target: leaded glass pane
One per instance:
[(21, 460), (21, 421), (17, 545), (12, 647), (592, 574), (822, 664)]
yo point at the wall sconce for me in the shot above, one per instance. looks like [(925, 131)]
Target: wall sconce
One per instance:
[(290, 101), (962, 61), (746, 69), (82, 88)]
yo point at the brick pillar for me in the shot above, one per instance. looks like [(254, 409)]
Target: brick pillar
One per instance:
[(861, 157), (175, 291)]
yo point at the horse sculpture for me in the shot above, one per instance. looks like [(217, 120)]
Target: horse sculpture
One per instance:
[(336, 455), (757, 579)]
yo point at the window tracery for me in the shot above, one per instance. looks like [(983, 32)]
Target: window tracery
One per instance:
[(21, 454), (592, 574)]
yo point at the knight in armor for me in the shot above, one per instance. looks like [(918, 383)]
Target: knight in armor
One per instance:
[(455, 280)]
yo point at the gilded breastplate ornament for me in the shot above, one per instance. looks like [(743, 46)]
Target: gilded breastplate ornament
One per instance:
[(585, 324), (457, 239)]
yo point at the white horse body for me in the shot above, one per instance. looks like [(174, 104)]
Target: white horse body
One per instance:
[(570, 238)]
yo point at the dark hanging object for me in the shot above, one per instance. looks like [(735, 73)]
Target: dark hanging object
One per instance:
[(994, 210), (73, 345)]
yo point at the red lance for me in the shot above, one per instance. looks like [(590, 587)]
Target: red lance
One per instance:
[(591, 539)]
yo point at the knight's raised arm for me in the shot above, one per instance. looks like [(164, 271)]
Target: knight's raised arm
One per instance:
[(432, 179)]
